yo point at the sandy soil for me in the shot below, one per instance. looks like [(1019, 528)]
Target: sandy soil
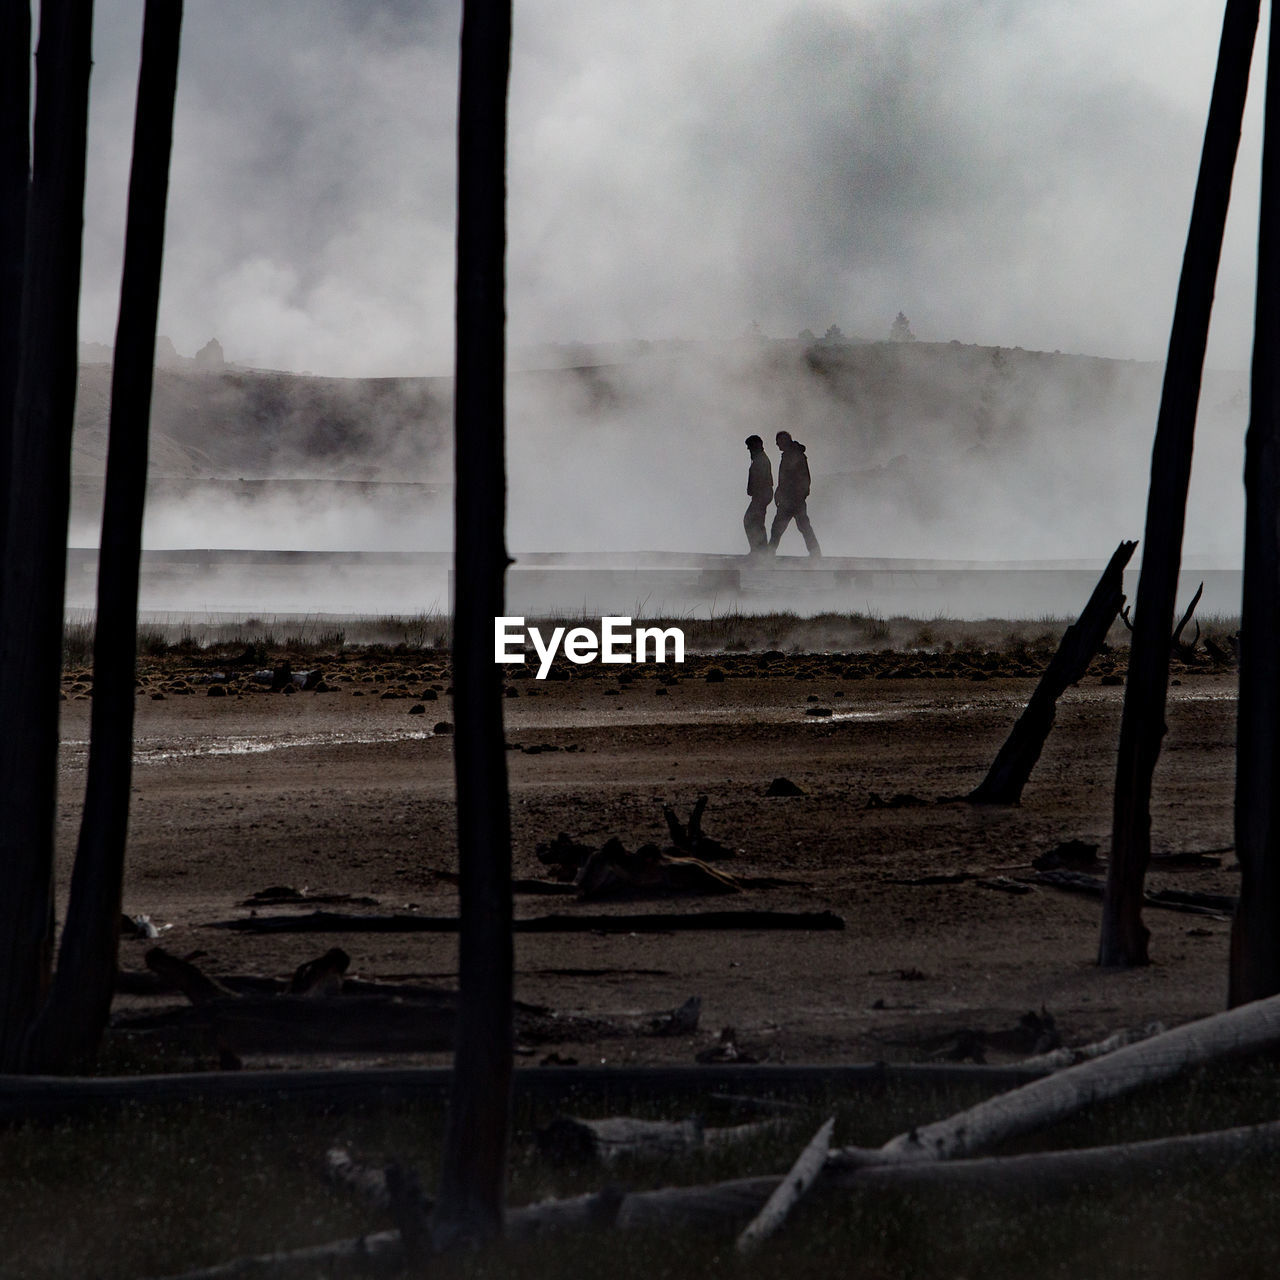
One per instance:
[(344, 791)]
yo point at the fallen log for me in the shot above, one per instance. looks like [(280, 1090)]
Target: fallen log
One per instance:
[(655, 922), (723, 1207), (1251, 1028), (137, 982), (304, 1024), (570, 1140), (381, 1252), (193, 982), (1016, 759), (1223, 902), (1056, 1059), (615, 872), (301, 1024), (789, 1192), (51, 1099), (1197, 904)]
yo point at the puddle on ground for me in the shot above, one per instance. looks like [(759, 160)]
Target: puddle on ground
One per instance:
[(894, 713), (160, 751)]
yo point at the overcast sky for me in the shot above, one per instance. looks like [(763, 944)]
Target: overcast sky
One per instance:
[(1004, 171)]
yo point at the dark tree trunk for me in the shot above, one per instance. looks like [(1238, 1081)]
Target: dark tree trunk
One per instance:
[(1124, 937), (1255, 933), (1016, 759), (473, 1174), (15, 181), (71, 1025), (36, 543)]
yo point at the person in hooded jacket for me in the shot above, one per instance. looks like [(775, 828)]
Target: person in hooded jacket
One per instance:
[(760, 491), (792, 495)]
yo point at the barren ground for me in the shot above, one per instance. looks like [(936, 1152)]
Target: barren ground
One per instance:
[(351, 794)]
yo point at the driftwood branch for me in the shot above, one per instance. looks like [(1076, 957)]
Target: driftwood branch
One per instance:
[(790, 1191), (51, 1099), (655, 922), (1057, 1059), (723, 1207), (186, 977), (301, 1024), (1017, 758), (1182, 624), (571, 1140), (1250, 1029), (1197, 904)]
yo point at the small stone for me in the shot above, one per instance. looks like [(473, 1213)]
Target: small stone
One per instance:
[(442, 726), (417, 709), (784, 787)]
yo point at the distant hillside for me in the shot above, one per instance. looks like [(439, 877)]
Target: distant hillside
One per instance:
[(255, 424), (921, 449)]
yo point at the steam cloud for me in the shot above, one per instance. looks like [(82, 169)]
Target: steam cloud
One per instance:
[(1008, 173)]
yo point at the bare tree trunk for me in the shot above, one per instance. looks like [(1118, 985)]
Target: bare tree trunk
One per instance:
[(15, 182), (36, 544), (470, 1205), (73, 1020), (1123, 939), (1255, 933)]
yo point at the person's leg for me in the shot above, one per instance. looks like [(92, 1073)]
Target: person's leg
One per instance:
[(806, 531), (781, 519), (753, 523)]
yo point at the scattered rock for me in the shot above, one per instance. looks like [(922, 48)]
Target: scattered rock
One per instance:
[(417, 709), (784, 787), (725, 1049), (442, 726), (558, 1060), (678, 1022), (1072, 855), (903, 800)]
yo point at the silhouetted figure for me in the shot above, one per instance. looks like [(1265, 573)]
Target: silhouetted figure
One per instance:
[(792, 494), (760, 491)]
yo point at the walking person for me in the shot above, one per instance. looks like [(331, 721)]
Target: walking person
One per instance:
[(760, 492), (792, 495)]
